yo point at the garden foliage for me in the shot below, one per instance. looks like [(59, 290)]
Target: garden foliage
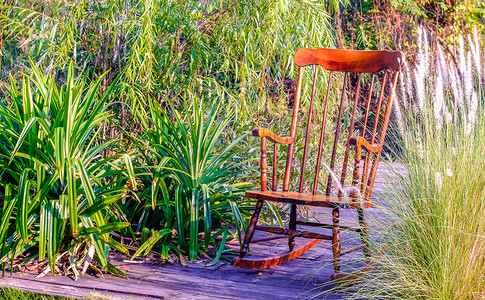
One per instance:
[(56, 180), (130, 117)]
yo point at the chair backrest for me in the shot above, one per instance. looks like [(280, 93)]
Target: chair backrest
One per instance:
[(356, 100)]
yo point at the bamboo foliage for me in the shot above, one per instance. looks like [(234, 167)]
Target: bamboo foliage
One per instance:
[(167, 47)]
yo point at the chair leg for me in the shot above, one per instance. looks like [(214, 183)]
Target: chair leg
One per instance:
[(336, 244), (292, 227), (248, 236), (364, 235)]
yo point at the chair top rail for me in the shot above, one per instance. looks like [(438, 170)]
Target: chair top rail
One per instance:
[(359, 61)]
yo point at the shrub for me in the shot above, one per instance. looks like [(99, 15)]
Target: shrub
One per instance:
[(59, 185), (191, 179)]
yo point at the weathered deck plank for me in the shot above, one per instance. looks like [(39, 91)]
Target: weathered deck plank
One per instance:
[(299, 278)]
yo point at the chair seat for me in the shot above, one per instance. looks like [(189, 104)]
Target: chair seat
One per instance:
[(305, 199)]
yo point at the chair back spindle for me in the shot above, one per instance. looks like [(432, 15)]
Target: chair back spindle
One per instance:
[(307, 135), (294, 121), (322, 135), (361, 76), (337, 136), (351, 133)]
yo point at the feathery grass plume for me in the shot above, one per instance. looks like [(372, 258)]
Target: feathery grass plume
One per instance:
[(461, 53), (419, 79), (439, 105), (473, 113), (433, 225), (408, 85), (455, 87), (443, 66), (402, 86), (397, 106), (475, 49), (421, 70), (468, 79)]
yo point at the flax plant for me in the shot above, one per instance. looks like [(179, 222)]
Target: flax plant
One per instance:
[(194, 180), (433, 222), (58, 189)]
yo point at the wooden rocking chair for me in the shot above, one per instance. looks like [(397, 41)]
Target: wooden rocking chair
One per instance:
[(367, 82)]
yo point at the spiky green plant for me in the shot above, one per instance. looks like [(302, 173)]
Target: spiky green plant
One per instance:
[(58, 186), (193, 184)]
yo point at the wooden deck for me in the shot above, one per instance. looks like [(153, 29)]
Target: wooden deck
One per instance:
[(300, 278)]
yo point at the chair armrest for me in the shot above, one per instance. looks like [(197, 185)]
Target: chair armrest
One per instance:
[(361, 142), (262, 132)]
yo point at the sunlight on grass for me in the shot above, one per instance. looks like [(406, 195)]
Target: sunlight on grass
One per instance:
[(16, 294)]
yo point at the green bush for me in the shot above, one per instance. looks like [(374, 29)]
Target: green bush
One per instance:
[(191, 179), (59, 185)]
